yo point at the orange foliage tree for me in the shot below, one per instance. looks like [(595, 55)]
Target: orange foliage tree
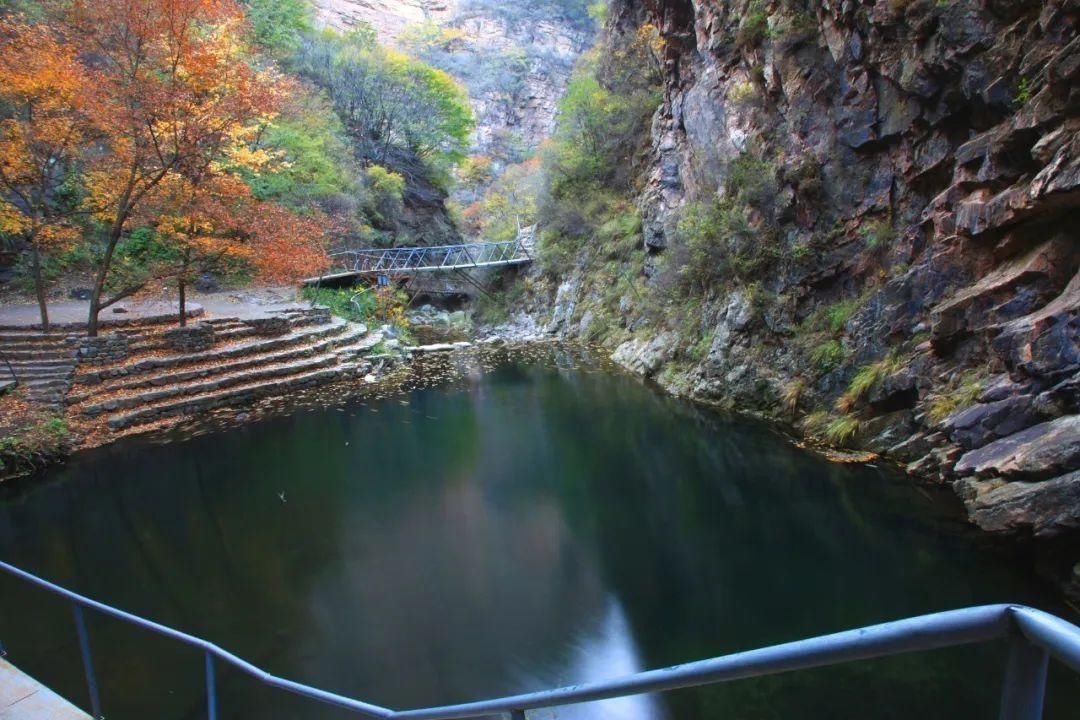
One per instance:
[(176, 100), (42, 90), (213, 219)]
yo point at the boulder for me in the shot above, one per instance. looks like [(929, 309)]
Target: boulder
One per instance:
[(646, 357), (1034, 277), (1044, 509), (1047, 342), (1042, 451), (985, 422)]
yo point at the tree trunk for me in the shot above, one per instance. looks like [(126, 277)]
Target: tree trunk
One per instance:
[(39, 287), (99, 280), (182, 284)]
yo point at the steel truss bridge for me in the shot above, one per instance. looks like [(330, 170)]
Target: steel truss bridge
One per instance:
[(405, 261), (1032, 636)]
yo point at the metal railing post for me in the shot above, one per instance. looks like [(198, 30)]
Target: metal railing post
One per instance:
[(211, 689), (87, 660), (517, 715), (1025, 680)]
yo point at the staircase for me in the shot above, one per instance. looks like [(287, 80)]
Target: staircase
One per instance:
[(43, 363), (155, 384)]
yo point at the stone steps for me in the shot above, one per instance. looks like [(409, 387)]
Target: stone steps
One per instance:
[(56, 362), (53, 371), (36, 344), (221, 354), (22, 354), (231, 396), (45, 383), (43, 363), (361, 348), (24, 334), (151, 389), (353, 336), (155, 397)]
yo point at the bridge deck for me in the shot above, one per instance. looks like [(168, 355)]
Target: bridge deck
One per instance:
[(23, 698), (435, 258)]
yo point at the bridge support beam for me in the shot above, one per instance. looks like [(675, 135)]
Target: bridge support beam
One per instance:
[(1025, 680)]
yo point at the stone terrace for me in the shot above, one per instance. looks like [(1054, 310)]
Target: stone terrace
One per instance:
[(176, 372)]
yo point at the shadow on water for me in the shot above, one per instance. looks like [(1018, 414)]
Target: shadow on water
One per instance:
[(508, 528)]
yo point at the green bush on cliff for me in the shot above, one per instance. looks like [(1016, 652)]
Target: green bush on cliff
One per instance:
[(841, 430), (752, 180), (878, 233), (828, 355), (599, 145), (961, 392), (721, 244), (753, 28), (867, 377)]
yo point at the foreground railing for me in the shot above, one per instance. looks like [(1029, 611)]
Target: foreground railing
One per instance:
[(1034, 636), (435, 257)]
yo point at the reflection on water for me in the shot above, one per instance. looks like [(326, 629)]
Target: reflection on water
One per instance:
[(606, 651), (533, 526)]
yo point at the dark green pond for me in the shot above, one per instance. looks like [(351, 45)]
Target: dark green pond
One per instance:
[(502, 531)]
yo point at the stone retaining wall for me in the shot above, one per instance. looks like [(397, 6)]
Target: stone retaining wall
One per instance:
[(104, 349), (269, 326), (190, 339)]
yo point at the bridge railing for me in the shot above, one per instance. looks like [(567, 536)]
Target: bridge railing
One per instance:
[(1033, 636), (435, 257)]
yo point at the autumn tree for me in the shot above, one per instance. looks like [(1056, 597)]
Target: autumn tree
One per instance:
[(205, 221), (42, 127), (174, 94)]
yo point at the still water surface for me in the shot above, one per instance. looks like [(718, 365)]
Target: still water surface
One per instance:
[(535, 525)]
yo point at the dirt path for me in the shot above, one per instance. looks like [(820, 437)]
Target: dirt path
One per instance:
[(244, 304)]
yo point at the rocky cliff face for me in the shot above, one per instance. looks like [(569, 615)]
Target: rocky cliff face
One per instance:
[(925, 166), (514, 60), (388, 17)]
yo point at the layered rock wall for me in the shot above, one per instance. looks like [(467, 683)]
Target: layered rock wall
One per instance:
[(925, 157)]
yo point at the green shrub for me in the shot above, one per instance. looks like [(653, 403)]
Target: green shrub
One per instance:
[(701, 348), (355, 305), (278, 24), (877, 234), (815, 422), (39, 440), (868, 376), (804, 172), (831, 318), (829, 355), (721, 244), (961, 393), (842, 430), (754, 27), (1023, 91), (742, 93), (791, 394), (752, 180)]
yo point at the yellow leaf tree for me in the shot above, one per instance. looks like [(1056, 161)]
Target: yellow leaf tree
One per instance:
[(42, 91)]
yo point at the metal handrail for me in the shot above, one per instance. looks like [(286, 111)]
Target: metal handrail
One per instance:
[(1034, 636), (7, 362)]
